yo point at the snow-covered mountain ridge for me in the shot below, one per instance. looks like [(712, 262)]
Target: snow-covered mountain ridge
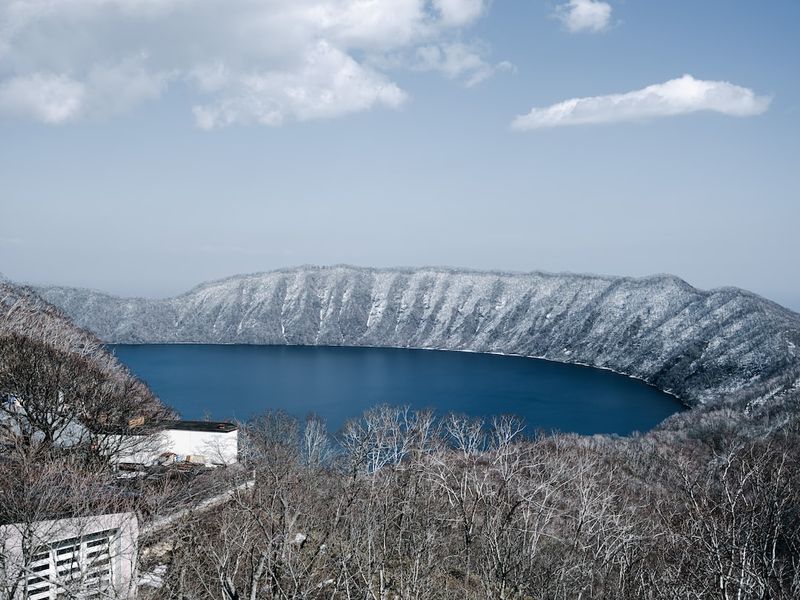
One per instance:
[(696, 344)]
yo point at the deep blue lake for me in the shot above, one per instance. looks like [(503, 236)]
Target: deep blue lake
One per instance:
[(238, 382)]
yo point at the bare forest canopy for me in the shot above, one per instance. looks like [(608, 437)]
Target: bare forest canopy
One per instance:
[(59, 386), (421, 508)]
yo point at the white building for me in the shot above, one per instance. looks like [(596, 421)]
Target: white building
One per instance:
[(202, 442), (83, 557), (216, 442)]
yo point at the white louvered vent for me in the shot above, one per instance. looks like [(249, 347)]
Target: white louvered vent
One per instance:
[(77, 567)]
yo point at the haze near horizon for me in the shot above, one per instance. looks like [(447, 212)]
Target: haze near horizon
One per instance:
[(168, 144)]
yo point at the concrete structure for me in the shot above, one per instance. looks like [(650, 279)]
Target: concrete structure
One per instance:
[(201, 442), (82, 557), (217, 442)]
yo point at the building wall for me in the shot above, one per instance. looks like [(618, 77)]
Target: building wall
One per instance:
[(136, 449), (83, 555), (212, 446), (216, 447)]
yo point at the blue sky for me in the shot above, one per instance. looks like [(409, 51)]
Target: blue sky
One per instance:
[(160, 150)]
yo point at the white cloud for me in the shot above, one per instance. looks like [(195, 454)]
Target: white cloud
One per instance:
[(115, 88), (46, 97), (585, 15), (329, 84), (246, 61), (457, 60), (58, 98), (674, 97), (460, 12)]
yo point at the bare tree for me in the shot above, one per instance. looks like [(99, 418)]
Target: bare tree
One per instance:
[(62, 530)]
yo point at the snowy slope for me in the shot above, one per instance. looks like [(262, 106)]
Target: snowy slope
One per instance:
[(696, 344), (23, 314)]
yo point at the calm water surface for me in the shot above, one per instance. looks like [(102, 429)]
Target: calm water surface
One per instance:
[(227, 382)]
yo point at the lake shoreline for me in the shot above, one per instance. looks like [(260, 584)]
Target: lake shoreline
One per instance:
[(517, 383)]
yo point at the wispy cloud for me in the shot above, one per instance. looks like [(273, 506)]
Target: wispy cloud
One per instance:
[(585, 15), (459, 61), (674, 97)]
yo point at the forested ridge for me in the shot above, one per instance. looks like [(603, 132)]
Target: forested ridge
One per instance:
[(697, 344), (56, 374)]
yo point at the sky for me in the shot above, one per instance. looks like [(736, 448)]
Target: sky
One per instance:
[(149, 145)]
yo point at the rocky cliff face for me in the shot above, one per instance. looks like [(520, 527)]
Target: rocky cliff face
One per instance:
[(696, 344)]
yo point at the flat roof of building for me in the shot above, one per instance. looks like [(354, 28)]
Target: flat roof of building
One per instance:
[(207, 426)]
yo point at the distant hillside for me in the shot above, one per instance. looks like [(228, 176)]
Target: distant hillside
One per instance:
[(696, 344), (25, 314)]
